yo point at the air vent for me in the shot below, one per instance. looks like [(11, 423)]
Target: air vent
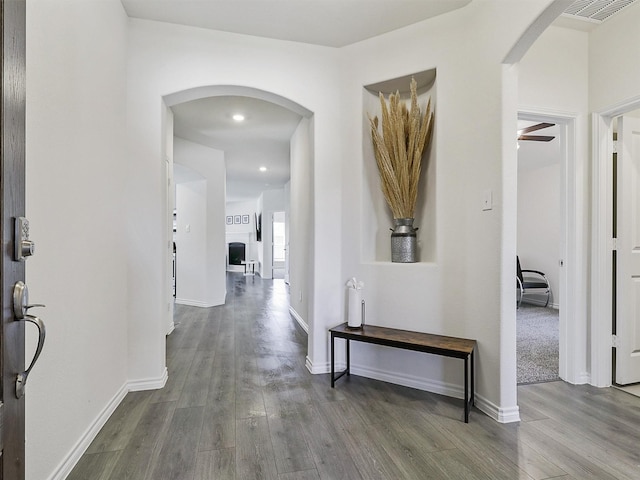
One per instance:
[(596, 10)]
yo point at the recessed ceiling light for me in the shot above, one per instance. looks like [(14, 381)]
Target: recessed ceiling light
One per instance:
[(238, 117), (263, 169)]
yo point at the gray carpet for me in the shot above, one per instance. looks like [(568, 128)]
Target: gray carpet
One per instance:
[(537, 344)]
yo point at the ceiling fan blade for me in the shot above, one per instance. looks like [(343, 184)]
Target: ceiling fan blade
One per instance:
[(533, 128), (536, 138)]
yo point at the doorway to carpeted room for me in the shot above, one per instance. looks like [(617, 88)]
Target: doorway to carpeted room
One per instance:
[(537, 344)]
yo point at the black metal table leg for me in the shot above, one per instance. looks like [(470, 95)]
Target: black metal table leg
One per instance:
[(333, 380), (348, 358), (466, 390), (473, 374)]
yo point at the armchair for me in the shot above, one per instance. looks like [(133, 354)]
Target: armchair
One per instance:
[(532, 282)]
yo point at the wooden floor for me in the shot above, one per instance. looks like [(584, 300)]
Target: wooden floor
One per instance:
[(239, 404)]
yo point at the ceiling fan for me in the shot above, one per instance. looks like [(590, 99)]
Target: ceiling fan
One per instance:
[(522, 133)]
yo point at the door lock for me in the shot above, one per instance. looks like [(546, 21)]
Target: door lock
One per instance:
[(23, 246)]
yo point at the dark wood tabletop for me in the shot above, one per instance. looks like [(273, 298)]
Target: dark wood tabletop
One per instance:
[(422, 342)]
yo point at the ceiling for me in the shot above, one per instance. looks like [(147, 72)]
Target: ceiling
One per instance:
[(533, 155), (261, 140), (332, 23)]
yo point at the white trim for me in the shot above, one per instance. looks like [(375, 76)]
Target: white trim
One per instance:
[(420, 383), (535, 29), (149, 383), (197, 303), (602, 205), (73, 457), (172, 327), (501, 415), (540, 302), (76, 452), (572, 287), (299, 319), (317, 369)]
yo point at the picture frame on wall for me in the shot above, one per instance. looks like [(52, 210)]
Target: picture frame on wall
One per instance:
[(229, 219), (245, 219), (237, 219)]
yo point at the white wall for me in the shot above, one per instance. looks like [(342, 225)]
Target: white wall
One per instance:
[(475, 114), (204, 253), (300, 221), (165, 59), (539, 225), (554, 79), (76, 169), (191, 243), (614, 72)]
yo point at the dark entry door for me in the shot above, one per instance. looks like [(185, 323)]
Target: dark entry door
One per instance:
[(12, 193)]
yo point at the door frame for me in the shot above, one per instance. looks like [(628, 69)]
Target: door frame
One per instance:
[(601, 261), (572, 321)]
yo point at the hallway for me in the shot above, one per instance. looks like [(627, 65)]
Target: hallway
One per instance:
[(240, 404)]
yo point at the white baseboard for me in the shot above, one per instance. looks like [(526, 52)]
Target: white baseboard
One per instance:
[(502, 415), (433, 386), (172, 327), (539, 302), (299, 319), (149, 383), (197, 303), (584, 378), (450, 390), (317, 369), (70, 461), (499, 414)]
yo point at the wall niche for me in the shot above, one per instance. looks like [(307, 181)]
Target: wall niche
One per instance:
[(376, 216)]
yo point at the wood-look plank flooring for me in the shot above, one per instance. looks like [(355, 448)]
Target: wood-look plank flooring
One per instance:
[(240, 404)]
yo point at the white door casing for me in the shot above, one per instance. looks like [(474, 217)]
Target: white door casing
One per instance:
[(572, 282), (628, 252)]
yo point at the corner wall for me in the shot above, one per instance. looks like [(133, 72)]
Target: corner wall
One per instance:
[(200, 235), (475, 117), (76, 168), (300, 221)]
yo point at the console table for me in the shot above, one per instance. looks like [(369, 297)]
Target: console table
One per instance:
[(455, 347), (251, 264)]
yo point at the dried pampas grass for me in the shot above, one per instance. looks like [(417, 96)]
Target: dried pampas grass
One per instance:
[(399, 148)]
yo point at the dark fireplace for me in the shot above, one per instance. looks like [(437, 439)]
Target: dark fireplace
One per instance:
[(236, 253)]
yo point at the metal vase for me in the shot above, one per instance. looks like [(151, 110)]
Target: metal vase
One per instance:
[(403, 241)]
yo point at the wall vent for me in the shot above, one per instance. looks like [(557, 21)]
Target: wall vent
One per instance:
[(596, 10)]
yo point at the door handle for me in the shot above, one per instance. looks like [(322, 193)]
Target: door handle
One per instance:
[(21, 380), (20, 308)]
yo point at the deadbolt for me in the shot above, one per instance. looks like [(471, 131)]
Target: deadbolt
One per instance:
[(23, 246)]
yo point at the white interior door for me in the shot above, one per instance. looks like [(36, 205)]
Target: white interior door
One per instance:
[(278, 244), (628, 252)]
